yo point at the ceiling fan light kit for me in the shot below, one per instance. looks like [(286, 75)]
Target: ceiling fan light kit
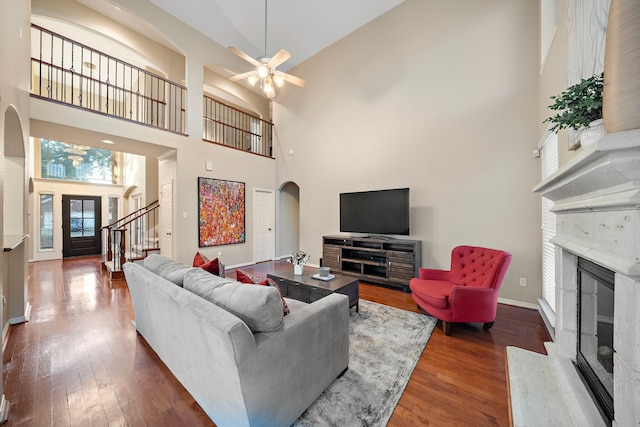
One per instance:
[(265, 72)]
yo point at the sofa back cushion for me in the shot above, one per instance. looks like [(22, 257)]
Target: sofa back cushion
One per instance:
[(260, 307), (166, 268), (202, 282)]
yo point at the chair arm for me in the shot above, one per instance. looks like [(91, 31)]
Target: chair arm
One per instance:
[(473, 304), (432, 274)]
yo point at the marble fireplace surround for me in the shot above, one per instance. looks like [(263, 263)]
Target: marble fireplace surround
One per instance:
[(597, 202)]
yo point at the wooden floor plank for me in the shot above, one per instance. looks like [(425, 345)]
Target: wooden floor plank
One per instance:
[(79, 361)]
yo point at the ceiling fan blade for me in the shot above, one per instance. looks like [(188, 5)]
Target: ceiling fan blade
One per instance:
[(244, 56), (243, 76), (279, 58), (291, 79)]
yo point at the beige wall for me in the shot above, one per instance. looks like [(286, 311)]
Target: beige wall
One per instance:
[(199, 52), (436, 96), (14, 106)]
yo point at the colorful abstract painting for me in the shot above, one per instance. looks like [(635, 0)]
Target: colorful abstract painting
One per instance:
[(221, 209)]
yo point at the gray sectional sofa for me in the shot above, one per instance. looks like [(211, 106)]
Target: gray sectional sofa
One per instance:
[(230, 345)]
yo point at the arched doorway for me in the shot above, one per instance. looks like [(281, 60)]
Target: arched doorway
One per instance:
[(289, 219), (13, 220)]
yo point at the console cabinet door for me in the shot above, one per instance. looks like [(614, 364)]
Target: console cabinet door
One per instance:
[(400, 266), (331, 257)]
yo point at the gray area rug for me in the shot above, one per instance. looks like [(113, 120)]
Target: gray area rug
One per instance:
[(384, 348)]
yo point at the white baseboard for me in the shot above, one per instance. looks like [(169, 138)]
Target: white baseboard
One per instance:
[(22, 319), (6, 330), (4, 410), (518, 303)]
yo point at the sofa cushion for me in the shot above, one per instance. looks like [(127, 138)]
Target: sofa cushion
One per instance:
[(244, 277), (175, 274), (199, 259), (166, 268), (434, 292), (295, 305), (260, 307), (203, 281)]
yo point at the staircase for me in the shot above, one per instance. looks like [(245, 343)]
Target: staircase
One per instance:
[(130, 239)]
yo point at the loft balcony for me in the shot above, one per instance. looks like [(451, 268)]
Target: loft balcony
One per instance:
[(229, 126), (71, 73)]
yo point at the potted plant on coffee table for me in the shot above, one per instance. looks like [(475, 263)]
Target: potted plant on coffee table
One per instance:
[(298, 259), (579, 108)]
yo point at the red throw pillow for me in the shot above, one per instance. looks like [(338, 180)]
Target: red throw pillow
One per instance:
[(244, 277), (212, 267), (199, 260)]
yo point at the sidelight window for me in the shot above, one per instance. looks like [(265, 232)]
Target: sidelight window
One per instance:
[(46, 221)]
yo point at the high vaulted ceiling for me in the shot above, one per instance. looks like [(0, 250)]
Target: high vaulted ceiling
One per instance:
[(303, 27)]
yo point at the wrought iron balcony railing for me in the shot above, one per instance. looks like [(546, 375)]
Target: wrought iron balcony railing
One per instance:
[(229, 126), (69, 72)]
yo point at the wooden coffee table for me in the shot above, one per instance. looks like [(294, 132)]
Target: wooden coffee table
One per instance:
[(307, 289)]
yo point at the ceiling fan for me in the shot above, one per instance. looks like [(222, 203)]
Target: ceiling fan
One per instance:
[(265, 72)]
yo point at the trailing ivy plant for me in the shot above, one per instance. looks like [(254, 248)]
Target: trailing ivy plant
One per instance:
[(579, 105)]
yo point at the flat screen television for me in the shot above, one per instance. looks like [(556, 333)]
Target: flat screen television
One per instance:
[(375, 212)]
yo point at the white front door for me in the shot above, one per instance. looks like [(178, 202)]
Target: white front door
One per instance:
[(166, 219), (264, 226)]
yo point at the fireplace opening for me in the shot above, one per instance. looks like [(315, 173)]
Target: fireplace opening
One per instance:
[(594, 359)]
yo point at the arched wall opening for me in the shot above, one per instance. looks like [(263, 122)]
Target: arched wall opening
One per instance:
[(14, 220), (288, 219)]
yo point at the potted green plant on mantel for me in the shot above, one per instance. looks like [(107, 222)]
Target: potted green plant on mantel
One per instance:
[(580, 109)]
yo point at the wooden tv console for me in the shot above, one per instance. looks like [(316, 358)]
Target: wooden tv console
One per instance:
[(390, 262)]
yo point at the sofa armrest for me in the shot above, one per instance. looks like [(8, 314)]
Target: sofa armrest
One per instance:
[(304, 356), (432, 274)]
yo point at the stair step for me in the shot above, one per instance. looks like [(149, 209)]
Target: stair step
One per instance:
[(113, 272)]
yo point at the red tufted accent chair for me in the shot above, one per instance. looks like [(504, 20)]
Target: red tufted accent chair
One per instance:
[(466, 293)]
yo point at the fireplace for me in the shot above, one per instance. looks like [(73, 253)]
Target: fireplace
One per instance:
[(594, 357), (596, 199)]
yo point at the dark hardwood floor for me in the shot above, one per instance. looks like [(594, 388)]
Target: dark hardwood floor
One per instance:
[(79, 361)]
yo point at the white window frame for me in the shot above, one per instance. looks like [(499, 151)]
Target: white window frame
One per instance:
[(548, 147), (53, 221)]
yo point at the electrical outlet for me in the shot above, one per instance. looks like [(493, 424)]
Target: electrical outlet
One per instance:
[(523, 281)]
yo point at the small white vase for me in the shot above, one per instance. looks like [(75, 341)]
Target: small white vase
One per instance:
[(298, 269)]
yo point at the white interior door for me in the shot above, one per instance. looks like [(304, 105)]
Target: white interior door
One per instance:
[(264, 226), (166, 219)]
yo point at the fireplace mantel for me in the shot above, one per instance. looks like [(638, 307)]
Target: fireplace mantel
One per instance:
[(597, 205), (596, 197)]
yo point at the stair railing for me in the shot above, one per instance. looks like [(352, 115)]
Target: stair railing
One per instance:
[(137, 226)]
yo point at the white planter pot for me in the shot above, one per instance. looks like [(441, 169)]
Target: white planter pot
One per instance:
[(298, 269), (593, 133)]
